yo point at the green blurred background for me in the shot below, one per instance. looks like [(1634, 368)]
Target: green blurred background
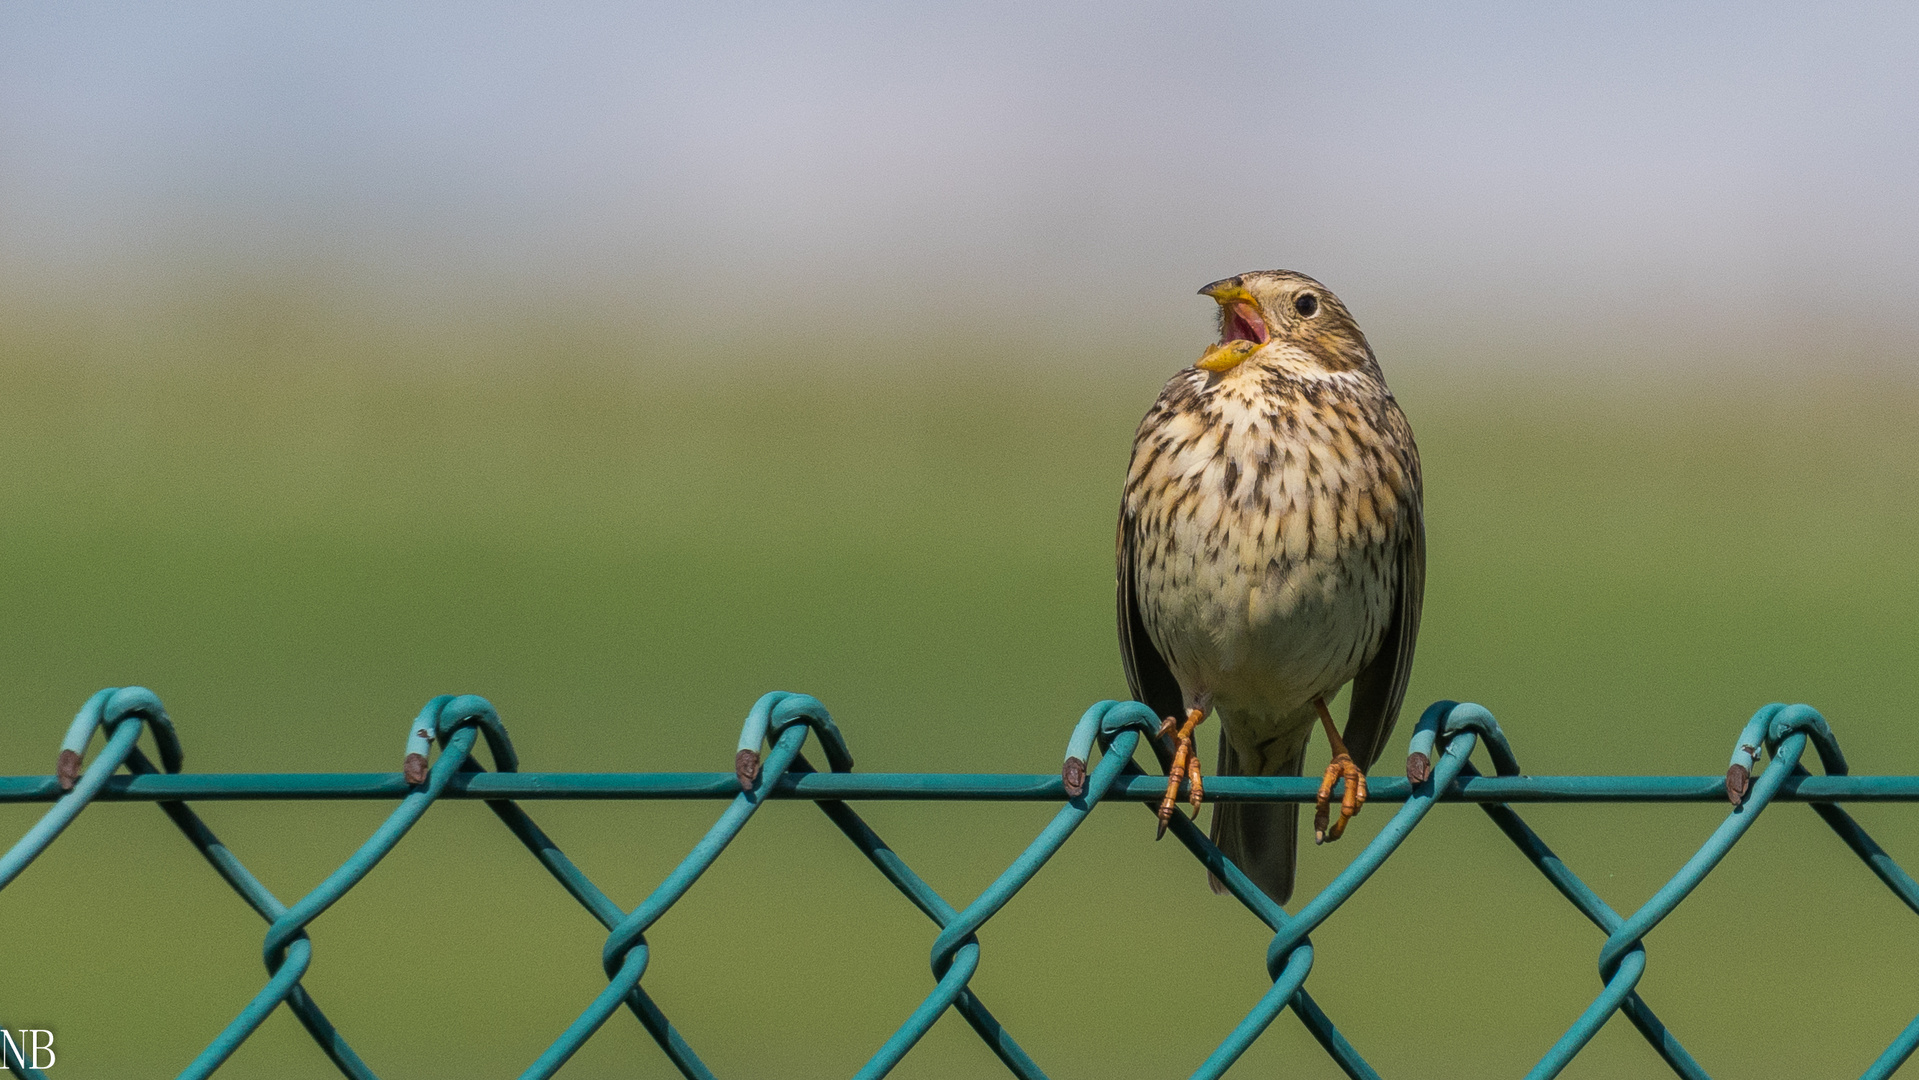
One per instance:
[(296, 528), (623, 362)]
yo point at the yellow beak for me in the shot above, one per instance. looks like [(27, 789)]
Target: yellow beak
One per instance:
[(1226, 355), (1230, 293), (1227, 291)]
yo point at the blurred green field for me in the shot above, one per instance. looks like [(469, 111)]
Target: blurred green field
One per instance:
[(297, 536)]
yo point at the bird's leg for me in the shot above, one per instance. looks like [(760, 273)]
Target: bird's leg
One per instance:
[(1342, 766), (1185, 765)]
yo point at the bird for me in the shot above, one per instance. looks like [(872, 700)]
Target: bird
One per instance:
[(1271, 549)]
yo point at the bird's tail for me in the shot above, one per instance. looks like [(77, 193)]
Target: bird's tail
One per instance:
[(1262, 839)]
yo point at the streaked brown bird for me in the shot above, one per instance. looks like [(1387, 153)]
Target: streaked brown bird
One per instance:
[(1271, 550)]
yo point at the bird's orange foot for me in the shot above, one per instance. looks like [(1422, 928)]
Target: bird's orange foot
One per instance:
[(1342, 767), (1185, 767)]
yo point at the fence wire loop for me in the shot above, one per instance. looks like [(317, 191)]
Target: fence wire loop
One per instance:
[(447, 714), (772, 714), (1452, 719), (779, 724), (109, 709)]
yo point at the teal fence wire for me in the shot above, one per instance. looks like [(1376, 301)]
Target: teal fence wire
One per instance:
[(779, 726)]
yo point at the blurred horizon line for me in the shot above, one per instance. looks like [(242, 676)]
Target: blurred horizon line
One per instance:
[(308, 308)]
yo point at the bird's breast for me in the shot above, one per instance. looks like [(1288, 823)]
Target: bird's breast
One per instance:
[(1264, 531)]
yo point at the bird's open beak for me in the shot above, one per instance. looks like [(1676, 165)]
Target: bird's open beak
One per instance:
[(1241, 328)]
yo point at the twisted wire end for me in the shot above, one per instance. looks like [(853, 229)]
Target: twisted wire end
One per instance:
[(68, 769), (414, 770), (746, 766), (1418, 768), (1738, 780), (1074, 777)]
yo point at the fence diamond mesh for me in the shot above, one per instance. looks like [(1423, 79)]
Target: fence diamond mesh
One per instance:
[(780, 724)]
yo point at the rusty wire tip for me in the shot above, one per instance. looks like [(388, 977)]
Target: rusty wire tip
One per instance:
[(414, 769), (746, 766), (1737, 781), (1074, 777), (1418, 768), (68, 769)]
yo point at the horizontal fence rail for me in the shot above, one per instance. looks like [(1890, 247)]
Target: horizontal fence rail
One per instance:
[(770, 765), (936, 787)]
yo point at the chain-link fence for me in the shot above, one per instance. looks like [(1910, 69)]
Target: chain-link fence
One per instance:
[(1447, 734)]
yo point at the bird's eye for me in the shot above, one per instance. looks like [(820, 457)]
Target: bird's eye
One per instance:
[(1306, 304)]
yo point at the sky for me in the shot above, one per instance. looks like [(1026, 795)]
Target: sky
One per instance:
[(1585, 184)]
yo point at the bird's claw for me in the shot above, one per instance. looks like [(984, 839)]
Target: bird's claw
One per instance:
[(1185, 766), (1169, 734), (1342, 767)]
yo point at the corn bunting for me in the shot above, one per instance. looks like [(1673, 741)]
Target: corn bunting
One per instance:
[(1271, 549)]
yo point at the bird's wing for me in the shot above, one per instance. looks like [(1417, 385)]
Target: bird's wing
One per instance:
[(1380, 687), (1147, 675)]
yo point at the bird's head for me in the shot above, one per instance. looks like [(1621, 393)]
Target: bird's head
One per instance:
[(1286, 318)]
